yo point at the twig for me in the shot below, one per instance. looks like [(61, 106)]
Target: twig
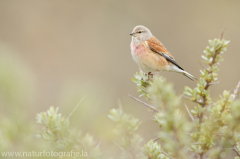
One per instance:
[(213, 83), (118, 145), (142, 89), (156, 139), (224, 105), (209, 83), (236, 91), (147, 105), (166, 154), (236, 150), (212, 105), (204, 102), (120, 105), (204, 67), (189, 113), (221, 36), (193, 155), (180, 96), (100, 142), (76, 107), (193, 100)]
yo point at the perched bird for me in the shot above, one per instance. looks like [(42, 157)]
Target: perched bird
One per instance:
[(150, 54)]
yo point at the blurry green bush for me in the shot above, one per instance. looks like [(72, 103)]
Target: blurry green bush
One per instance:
[(212, 131)]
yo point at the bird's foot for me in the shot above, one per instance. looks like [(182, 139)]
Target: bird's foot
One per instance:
[(150, 75)]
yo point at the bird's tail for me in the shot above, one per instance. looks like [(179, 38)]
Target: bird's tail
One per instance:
[(189, 75)]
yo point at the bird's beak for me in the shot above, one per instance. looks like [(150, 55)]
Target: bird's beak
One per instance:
[(133, 34)]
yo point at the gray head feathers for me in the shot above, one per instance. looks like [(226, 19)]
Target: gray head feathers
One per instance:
[(141, 33)]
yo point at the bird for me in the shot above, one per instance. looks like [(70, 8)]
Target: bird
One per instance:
[(150, 54)]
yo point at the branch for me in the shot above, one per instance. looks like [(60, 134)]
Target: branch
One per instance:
[(212, 105), (204, 67), (221, 36), (213, 83), (166, 154), (236, 150), (236, 91), (198, 102), (224, 105), (118, 145), (156, 139), (100, 142), (180, 96), (76, 106), (120, 105), (217, 52), (189, 113), (147, 105)]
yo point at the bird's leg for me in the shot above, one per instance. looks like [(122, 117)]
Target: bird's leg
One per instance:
[(150, 74)]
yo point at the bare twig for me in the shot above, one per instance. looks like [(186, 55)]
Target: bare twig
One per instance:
[(147, 105), (76, 107), (100, 142), (120, 105), (189, 113), (180, 96), (156, 139), (204, 67), (221, 36), (235, 93), (166, 154), (142, 89), (198, 102), (118, 145), (236, 150), (212, 104), (213, 83)]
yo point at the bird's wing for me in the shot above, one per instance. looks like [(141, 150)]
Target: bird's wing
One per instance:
[(156, 46)]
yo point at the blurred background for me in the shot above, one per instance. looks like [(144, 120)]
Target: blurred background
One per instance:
[(52, 53)]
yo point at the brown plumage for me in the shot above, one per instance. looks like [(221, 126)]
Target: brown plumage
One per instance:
[(158, 46), (150, 54)]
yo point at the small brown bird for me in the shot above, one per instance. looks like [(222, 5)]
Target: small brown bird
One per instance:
[(150, 54)]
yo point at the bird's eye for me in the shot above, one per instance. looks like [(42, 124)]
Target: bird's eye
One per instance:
[(139, 32)]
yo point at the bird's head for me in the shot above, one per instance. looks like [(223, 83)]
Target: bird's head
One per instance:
[(141, 33)]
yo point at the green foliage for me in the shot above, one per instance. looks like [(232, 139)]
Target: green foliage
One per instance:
[(212, 116), (162, 94), (214, 128), (173, 122), (125, 123), (126, 137), (153, 150), (208, 75), (56, 127), (212, 131), (56, 130), (142, 82)]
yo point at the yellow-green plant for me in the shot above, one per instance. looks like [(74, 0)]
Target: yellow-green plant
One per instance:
[(56, 130), (213, 130)]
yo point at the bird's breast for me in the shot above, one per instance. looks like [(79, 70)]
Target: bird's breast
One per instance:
[(146, 59), (139, 49)]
